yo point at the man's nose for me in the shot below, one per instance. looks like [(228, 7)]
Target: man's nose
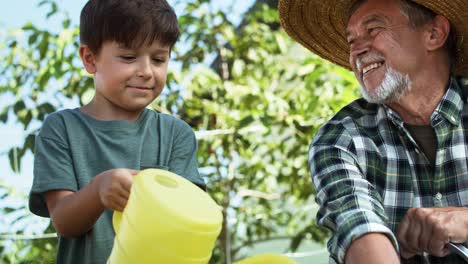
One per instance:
[(360, 47)]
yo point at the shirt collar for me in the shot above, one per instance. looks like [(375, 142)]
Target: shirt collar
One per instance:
[(449, 107)]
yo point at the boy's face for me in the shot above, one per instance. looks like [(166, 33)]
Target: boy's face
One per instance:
[(128, 79)]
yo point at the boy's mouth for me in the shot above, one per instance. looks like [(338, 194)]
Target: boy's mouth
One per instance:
[(140, 87)]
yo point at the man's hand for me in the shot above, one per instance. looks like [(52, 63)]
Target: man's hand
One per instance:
[(430, 229), (114, 188)]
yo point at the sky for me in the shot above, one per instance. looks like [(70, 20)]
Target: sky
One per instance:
[(14, 15)]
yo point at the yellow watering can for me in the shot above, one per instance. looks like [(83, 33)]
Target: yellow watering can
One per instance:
[(267, 258), (167, 219)]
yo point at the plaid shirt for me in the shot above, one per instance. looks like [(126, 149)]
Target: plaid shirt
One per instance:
[(368, 170)]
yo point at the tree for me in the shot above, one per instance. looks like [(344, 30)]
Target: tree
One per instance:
[(255, 98)]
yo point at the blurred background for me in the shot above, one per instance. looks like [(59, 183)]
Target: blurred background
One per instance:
[(254, 97)]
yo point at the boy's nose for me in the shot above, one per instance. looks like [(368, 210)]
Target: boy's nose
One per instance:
[(144, 68)]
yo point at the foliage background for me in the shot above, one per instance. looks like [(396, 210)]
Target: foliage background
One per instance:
[(253, 96)]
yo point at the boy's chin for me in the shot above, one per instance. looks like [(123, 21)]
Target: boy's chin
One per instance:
[(137, 108)]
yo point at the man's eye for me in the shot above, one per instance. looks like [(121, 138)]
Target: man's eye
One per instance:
[(374, 29)]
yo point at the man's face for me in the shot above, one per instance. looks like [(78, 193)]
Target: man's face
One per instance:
[(385, 51)]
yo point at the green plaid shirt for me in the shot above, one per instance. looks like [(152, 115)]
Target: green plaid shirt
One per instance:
[(368, 170)]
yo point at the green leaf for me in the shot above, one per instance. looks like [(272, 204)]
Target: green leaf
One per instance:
[(43, 80), (281, 43), (4, 115), (14, 155), (12, 44), (30, 142), (66, 23), (19, 105), (28, 26), (43, 45), (43, 2), (238, 68), (53, 10), (245, 121), (46, 108), (27, 119), (32, 38)]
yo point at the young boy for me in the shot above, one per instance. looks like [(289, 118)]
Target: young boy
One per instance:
[(86, 157)]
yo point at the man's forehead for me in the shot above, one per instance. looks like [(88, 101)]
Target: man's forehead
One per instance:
[(371, 18), (365, 12)]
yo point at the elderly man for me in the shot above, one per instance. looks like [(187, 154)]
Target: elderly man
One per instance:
[(391, 169)]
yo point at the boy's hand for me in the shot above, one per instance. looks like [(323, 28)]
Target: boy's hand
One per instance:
[(114, 188)]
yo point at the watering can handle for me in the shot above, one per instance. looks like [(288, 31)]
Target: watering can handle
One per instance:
[(460, 249), (116, 219)]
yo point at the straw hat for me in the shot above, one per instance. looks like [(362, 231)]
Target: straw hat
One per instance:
[(320, 26)]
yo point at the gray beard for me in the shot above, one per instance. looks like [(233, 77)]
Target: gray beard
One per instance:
[(393, 87)]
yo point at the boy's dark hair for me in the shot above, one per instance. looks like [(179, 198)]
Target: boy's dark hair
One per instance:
[(131, 23)]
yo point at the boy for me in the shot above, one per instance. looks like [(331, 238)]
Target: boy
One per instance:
[(86, 157)]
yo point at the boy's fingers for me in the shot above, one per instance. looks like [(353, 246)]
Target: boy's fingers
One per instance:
[(120, 204), (134, 172), (126, 183), (124, 193)]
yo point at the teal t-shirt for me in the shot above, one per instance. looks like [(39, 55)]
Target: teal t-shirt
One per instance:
[(72, 148)]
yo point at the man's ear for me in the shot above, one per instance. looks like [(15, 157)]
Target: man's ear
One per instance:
[(88, 58), (438, 32)]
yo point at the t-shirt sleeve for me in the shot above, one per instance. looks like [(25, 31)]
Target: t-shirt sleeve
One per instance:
[(183, 160), (53, 167)]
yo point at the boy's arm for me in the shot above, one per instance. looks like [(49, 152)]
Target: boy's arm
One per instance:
[(74, 213), (65, 207)]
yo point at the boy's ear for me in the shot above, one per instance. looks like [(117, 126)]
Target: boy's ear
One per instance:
[(88, 58)]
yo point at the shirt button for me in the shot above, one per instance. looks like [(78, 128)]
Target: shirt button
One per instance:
[(416, 150), (438, 196), (452, 119)]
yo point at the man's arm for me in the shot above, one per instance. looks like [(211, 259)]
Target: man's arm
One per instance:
[(75, 213), (372, 248), (350, 206)]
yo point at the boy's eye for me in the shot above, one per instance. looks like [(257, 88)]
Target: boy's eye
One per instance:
[(159, 60), (127, 57)]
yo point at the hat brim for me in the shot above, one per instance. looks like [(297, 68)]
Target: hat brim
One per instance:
[(320, 26)]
